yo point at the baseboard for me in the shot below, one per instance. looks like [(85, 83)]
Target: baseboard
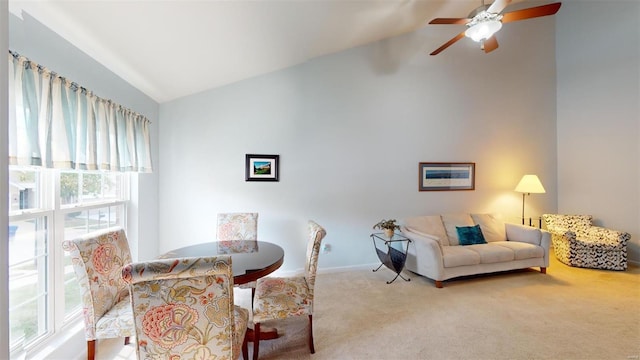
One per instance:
[(282, 273), (348, 268)]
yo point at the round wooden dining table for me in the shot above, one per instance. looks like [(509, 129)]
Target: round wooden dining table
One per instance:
[(250, 259)]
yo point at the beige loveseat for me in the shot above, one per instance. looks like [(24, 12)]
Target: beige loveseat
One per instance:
[(435, 250)]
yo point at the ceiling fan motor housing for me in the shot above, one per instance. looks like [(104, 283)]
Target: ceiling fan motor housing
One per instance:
[(477, 11)]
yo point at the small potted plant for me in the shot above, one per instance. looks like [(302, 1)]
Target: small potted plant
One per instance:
[(388, 226)]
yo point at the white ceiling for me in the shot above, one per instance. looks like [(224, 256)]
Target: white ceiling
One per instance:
[(173, 48)]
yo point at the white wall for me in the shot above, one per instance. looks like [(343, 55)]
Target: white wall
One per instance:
[(598, 57), (37, 42), (351, 128), (4, 181)]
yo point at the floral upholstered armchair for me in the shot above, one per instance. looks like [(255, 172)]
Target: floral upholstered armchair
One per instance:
[(280, 298), (576, 242), (184, 309), (97, 260)]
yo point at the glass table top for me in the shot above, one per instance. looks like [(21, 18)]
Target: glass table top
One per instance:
[(250, 260)]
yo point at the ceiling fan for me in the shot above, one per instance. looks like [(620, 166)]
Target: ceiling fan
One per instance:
[(483, 22)]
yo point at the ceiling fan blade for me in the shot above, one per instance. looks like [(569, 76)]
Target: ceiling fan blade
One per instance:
[(490, 44), (498, 6), (448, 43), (529, 13), (461, 21)]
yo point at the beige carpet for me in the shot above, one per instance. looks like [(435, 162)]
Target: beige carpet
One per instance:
[(569, 313)]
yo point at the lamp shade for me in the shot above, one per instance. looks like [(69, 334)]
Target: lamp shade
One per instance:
[(530, 184)]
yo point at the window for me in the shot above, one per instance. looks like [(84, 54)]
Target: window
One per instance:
[(47, 207)]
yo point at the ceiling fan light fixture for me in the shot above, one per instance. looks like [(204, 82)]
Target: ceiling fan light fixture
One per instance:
[(484, 21), (483, 30)]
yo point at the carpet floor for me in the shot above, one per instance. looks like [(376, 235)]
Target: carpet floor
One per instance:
[(569, 313)]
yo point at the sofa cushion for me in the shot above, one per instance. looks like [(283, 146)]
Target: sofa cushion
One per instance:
[(522, 250), (469, 235), (453, 256), (428, 225), (492, 227), (450, 222), (491, 253)]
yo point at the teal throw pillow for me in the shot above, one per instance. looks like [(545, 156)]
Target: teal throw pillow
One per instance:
[(470, 235)]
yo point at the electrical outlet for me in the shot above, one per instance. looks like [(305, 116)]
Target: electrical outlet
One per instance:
[(326, 248)]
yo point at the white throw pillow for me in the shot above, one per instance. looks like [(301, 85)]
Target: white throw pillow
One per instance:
[(429, 225), (492, 228), (450, 222)]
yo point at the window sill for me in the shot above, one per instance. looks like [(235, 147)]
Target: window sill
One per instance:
[(65, 345)]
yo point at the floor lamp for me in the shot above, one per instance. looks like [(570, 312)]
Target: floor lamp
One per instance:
[(527, 185)]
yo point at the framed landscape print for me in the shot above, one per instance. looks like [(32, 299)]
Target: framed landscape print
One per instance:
[(262, 167), (437, 176)]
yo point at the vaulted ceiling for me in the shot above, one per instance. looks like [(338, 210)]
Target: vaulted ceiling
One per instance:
[(174, 48)]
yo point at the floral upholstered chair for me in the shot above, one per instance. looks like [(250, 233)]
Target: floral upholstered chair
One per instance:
[(280, 298), (97, 260), (238, 226), (576, 242), (184, 309)]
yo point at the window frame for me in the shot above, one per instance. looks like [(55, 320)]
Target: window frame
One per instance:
[(50, 208)]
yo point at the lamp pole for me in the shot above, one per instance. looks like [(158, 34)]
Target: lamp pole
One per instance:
[(523, 194)]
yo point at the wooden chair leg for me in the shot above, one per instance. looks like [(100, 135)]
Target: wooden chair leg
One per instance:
[(543, 270), (439, 284), (245, 348), (126, 340), (91, 349), (311, 347), (256, 340)]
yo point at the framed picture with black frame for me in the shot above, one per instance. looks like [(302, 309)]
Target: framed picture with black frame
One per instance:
[(262, 167), (441, 176)]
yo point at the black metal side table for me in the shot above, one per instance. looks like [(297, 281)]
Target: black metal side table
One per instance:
[(391, 252)]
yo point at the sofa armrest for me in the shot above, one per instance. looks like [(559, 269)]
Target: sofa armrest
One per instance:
[(545, 240), (425, 255), (523, 233), (413, 232), (427, 240)]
